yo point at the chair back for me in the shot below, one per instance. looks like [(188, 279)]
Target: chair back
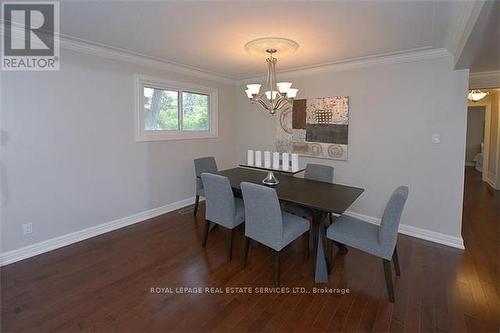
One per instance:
[(219, 197), (203, 164), (319, 172), (388, 231), (263, 220)]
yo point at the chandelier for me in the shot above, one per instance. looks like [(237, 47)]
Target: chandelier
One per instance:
[(275, 95), (476, 95)]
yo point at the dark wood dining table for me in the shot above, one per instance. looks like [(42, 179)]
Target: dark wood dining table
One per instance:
[(322, 198)]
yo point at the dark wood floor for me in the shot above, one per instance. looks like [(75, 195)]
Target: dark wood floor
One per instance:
[(103, 284)]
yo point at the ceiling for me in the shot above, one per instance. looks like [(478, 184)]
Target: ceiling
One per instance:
[(488, 57), (210, 36)]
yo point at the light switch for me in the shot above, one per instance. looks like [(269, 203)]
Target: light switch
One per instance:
[(436, 138)]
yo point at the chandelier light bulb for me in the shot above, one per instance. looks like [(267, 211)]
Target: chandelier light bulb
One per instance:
[(284, 86), (476, 95), (273, 95), (253, 88), (292, 92)]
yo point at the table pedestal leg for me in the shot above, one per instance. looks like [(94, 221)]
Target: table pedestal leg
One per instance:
[(320, 267)]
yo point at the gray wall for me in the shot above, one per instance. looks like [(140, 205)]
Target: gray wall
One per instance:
[(69, 157), (395, 109), (70, 162), (475, 131)]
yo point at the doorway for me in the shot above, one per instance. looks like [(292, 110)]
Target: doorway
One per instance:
[(483, 137), (474, 149)]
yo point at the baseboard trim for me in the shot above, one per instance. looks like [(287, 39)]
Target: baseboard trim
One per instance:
[(29, 251), (432, 236), (492, 183)]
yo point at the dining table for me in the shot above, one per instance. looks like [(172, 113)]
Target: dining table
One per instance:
[(321, 198)]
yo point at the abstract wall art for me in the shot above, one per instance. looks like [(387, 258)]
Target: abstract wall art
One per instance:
[(316, 127)]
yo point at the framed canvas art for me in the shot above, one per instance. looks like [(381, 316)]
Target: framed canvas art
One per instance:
[(316, 127)]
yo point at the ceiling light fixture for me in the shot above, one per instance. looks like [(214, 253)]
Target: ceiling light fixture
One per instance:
[(476, 95), (275, 95)]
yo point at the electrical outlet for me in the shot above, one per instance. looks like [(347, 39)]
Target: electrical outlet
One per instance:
[(27, 228)]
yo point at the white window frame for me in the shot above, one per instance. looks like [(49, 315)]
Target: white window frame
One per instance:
[(142, 135)]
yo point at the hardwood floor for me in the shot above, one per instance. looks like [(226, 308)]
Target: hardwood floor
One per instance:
[(104, 284)]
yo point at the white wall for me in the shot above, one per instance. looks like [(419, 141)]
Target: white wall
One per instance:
[(69, 159), (394, 110)]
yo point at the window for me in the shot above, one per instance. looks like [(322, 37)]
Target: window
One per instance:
[(168, 110)]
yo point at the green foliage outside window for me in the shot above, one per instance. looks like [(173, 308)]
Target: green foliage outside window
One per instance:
[(195, 113), (161, 107)]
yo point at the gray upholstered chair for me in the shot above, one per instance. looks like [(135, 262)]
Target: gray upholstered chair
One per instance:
[(203, 164), (380, 240), (222, 207), (318, 172), (268, 225)]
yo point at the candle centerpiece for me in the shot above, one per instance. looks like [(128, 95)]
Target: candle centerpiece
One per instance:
[(250, 155), (271, 163), (258, 158), (276, 160), (295, 162), (285, 161), (267, 159)]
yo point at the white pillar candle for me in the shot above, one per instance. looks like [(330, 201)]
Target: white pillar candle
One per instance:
[(276, 160), (295, 162), (285, 161), (267, 159), (250, 155), (258, 158)]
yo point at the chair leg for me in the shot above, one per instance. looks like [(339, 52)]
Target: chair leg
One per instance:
[(230, 245), (395, 260), (329, 244), (342, 248), (245, 252), (305, 238), (388, 279), (207, 229), (277, 269), (196, 203)]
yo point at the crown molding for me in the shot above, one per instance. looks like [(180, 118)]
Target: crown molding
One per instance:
[(117, 54), (487, 74), (463, 27), (113, 53), (354, 63), (458, 26), (471, 43), (484, 80)]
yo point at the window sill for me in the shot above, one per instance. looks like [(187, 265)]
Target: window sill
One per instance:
[(146, 137)]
